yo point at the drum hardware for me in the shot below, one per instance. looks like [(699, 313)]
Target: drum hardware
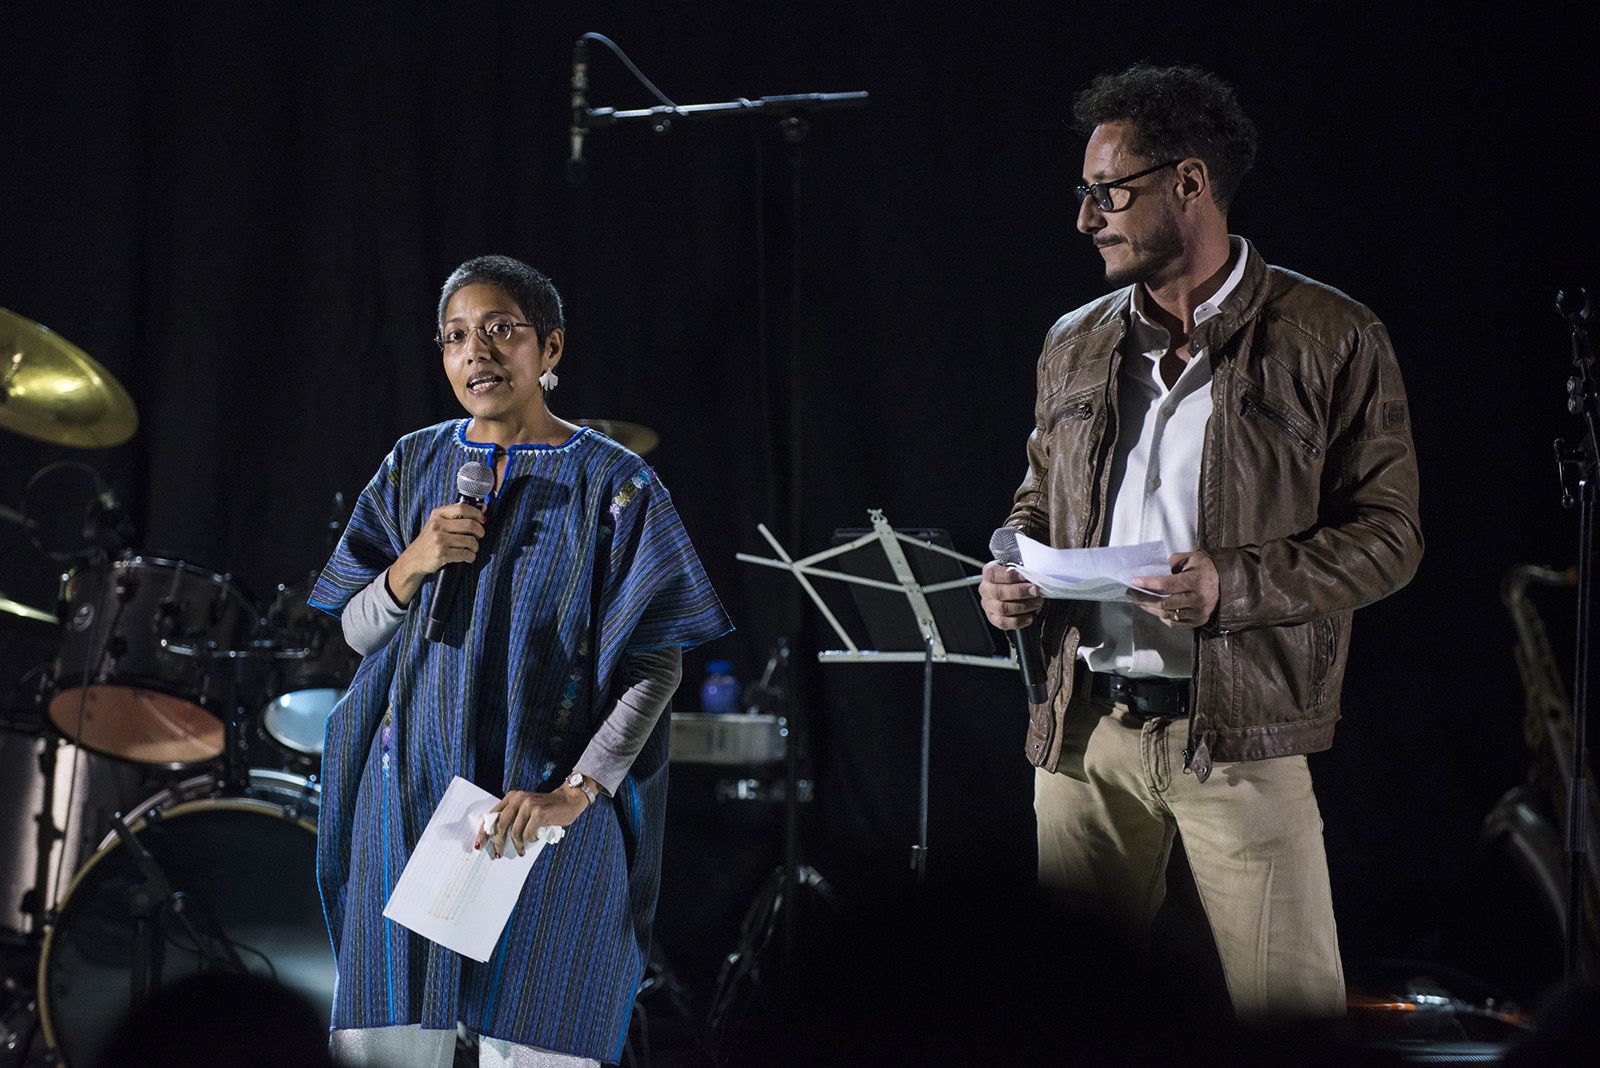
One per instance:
[(105, 529), (764, 790), (746, 738)]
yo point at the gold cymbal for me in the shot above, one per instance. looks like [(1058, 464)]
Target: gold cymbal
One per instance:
[(641, 439), (51, 390)]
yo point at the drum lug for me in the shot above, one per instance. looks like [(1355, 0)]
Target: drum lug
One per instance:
[(169, 618), (30, 900)]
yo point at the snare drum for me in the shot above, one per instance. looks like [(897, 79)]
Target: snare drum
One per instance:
[(119, 691), (312, 665), (247, 866)]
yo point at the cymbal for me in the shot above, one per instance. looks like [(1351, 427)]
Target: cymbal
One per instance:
[(17, 608), (51, 390), (641, 439)]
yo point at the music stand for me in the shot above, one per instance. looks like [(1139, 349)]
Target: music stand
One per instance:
[(901, 608)]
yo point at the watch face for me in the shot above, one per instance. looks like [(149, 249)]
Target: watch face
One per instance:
[(575, 779)]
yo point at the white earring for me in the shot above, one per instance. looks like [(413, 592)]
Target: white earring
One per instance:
[(548, 381)]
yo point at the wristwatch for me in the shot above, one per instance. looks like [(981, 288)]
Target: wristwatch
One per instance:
[(576, 779)]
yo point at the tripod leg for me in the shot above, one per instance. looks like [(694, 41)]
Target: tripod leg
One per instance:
[(742, 964)]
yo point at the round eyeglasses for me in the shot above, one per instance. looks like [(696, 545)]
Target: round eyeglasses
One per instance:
[(493, 330)]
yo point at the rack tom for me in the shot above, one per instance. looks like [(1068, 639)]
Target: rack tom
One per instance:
[(143, 673)]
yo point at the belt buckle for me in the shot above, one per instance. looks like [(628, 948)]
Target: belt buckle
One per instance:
[(1122, 691), (1145, 702)]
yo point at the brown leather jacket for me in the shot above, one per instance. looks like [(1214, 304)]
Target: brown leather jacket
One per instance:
[(1308, 505)]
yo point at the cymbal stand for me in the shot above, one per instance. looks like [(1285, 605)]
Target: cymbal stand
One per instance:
[(778, 898), (1579, 467), (36, 901)]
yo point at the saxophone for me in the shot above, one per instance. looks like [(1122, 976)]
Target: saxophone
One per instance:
[(1532, 819)]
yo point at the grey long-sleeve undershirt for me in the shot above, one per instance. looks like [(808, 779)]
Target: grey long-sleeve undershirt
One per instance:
[(373, 615)]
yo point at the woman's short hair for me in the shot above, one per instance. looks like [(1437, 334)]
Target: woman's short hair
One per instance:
[(534, 293)]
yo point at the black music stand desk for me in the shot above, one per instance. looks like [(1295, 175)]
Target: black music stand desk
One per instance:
[(917, 606)]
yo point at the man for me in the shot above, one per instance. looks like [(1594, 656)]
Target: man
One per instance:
[(1255, 421)]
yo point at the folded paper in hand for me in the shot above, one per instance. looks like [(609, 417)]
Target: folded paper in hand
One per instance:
[(1090, 574), (451, 893)]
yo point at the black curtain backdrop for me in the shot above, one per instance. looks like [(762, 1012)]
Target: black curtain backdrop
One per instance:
[(245, 213)]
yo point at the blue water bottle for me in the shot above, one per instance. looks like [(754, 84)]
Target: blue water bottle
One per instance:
[(719, 693)]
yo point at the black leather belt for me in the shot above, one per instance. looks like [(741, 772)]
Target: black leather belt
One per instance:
[(1149, 697)]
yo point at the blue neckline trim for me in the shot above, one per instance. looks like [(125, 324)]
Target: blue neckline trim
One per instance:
[(461, 438)]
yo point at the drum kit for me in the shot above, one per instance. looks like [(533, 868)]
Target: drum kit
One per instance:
[(170, 683), (169, 678)]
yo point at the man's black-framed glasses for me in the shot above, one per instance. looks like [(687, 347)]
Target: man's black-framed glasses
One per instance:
[(1111, 196), (494, 330)]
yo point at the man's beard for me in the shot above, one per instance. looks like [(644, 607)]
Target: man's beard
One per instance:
[(1157, 251)]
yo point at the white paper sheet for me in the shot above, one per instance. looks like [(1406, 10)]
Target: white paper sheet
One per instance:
[(451, 893), (1089, 574)]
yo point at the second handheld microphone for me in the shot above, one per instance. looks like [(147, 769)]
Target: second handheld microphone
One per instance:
[(1030, 654)]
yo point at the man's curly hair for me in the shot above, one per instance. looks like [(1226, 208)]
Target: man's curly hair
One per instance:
[(1176, 112)]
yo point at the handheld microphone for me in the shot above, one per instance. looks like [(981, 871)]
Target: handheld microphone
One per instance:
[(474, 483), (577, 167), (1003, 544)]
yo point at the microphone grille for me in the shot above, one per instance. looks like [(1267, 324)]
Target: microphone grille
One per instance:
[(1003, 544), (475, 480)]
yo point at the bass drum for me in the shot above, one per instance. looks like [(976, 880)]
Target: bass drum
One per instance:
[(118, 690), (312, 666), (247, 865)]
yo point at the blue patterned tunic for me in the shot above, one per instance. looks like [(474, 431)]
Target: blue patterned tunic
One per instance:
[(584, 559)]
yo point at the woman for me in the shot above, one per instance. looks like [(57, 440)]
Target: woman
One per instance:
[(560, 650)]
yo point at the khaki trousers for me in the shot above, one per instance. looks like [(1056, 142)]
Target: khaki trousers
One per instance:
[(1253, 836)]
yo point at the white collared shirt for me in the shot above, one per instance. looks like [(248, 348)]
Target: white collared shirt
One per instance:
[(1155, 483)]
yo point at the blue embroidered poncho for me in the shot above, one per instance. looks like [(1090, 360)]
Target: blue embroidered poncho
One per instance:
[(584, 559)]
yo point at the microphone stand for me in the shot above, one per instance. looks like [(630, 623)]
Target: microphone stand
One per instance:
[(148, 901), (660, 117), (785, 394), (1579, 467), (790, 110)]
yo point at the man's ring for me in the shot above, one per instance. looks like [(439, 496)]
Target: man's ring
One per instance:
[(1176, 615)]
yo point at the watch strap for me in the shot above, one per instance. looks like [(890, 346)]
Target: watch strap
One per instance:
[(576, 779)]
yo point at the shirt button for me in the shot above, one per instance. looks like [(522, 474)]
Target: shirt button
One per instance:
[(1155, 483)]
